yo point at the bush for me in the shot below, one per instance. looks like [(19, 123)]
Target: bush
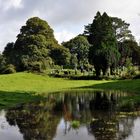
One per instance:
[(130, 73), (35, 67), (137, 76), (9, 69)]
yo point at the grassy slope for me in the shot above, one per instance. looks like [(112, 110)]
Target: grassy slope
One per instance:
[(37, 83), (28, 82), (16, 88), (132, 86)]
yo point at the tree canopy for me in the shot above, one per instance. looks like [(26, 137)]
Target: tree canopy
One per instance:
[(35, 47), (105, 44), (103, 53), (121, 28), (79, 48), (129, 49)]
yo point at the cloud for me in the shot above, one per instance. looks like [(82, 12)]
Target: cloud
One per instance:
[(67, 18), (64, 36), (14, 3), (7, 4)]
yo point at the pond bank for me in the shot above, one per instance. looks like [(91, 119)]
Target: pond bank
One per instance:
[(19, 87), (29, 82)]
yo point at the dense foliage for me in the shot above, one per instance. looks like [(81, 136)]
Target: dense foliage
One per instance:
[(112, 43), (107, 44), (79, 48), (35, 47), (103, 53)]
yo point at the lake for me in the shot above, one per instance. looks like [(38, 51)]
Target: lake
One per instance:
[(74, 115)]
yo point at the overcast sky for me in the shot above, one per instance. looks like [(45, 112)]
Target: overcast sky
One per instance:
[(66, 17)]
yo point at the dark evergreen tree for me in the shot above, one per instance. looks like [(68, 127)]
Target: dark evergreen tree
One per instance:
[(103, 53)]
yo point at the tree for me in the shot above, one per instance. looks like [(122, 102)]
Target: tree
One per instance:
[(8, 52), (121, 28), (74, 61), (34, 46), (79, 47), (60, 55), (125, 40), (135, 54), (129, 49), (2, 63), (5, 67), (103, 53)]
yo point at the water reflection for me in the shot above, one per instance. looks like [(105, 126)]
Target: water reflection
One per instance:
[(101, 115), (36, 121)]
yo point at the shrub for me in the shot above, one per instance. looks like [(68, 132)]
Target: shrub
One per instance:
[(137, 76), (130, 73), (35, 67), (9, 69)]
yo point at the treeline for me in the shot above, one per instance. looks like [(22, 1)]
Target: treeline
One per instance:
[(106, 44)]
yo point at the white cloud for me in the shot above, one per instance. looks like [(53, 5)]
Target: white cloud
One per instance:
[(35, 13), (8, 32), (64, 36), (7, 4), (67, 18), (15, 3)]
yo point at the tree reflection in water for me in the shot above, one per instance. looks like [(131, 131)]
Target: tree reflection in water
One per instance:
[(99, 112), (36, 121)]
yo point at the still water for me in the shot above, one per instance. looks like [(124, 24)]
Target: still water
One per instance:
[(75, 115)]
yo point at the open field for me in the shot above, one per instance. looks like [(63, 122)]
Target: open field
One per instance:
[(18, 88), (28, 82)]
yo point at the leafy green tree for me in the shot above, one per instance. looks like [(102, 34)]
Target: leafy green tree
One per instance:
[(8, 69), (126, 42), (103, 53), (136, 54), (129, 49), (8, 52), (79, 47), (2, 63), (5, 67), (74, 61), (35, 46), (61, 55), (121, 28)]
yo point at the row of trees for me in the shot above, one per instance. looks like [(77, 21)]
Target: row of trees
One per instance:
[(105, 34), (107, 43)]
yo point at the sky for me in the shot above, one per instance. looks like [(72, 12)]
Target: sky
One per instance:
[(66, 17)]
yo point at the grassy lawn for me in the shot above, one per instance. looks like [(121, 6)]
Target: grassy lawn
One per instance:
[(17, 88), (28, 82), (132, 86)]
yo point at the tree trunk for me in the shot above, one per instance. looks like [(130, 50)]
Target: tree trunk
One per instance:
[(98, 71)]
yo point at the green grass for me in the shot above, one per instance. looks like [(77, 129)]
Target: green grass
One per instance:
[(10, 99), (17, 88), (28, 82), (132, 86)]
